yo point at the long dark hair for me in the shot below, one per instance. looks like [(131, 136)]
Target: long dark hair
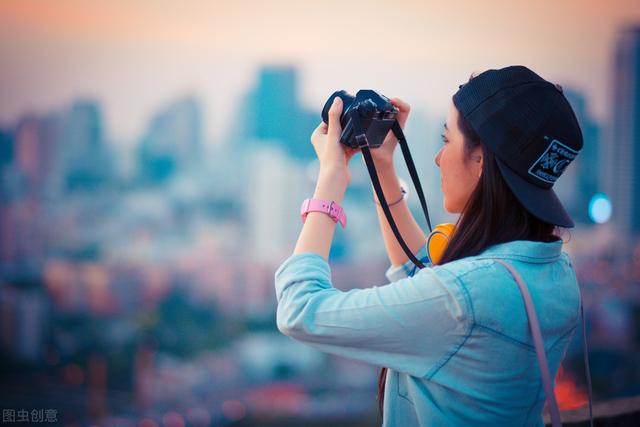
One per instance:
[(492, 215)]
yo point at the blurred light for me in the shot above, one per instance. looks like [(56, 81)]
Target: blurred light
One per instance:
[(233, 409), (74, 374), (172, 419), (121, 421), (146, 422), (198, 416), (600, 208), (568, 395)]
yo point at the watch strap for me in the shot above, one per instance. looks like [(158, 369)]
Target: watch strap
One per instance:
[(331, 208)]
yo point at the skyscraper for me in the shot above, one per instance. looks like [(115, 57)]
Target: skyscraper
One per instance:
[(38, 156), (173, 140), (271, 114), (273, 193), (88, 163), (581, 181), (6, 149), (622, 175)]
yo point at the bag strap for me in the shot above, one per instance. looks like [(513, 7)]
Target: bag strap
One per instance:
[(587, 371), (534, 324)]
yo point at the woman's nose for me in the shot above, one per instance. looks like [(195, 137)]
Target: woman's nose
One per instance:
[(437, 158)]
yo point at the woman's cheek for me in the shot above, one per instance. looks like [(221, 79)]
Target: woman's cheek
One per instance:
[(447, 197), (455, 197)]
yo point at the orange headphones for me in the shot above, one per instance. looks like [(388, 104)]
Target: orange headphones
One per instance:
[(438, 240)]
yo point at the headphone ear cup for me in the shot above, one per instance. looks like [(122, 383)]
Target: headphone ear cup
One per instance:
[(438, 240)]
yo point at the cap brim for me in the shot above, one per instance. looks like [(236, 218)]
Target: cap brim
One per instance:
[(540, 202)]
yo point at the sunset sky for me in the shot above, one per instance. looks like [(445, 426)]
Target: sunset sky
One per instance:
[(135, 56)]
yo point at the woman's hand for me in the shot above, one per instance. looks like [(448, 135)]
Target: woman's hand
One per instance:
[(333, 156), (383, 155)]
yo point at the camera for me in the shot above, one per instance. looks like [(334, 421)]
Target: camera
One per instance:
[(366, 120), (376, 116)]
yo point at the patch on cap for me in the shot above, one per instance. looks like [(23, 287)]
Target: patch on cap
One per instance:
[(553, 161)]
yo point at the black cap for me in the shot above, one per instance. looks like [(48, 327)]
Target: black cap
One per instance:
[(529, 125)]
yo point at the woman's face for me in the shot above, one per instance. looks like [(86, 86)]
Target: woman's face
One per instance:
[(459, 173)]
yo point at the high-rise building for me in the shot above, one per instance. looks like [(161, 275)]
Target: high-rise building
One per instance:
[(37, 157), (173, 140), (88, 163), (6, 175), (274, 190), (622, 175), (271, 114), (6, 148), (32, 175), (23, 329), (581, 180)]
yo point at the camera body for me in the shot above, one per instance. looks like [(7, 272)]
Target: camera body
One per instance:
[(375, 112)]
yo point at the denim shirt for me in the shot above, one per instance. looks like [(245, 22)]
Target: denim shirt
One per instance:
[(454, 337)]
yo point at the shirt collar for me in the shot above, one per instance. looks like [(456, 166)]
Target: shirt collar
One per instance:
[(525, 250)]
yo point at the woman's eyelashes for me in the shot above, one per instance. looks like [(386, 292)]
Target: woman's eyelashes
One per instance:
[(444, 139)]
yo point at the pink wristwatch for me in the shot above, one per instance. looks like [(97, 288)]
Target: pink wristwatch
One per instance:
[(332, 209)]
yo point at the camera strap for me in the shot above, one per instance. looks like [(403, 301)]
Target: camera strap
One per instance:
[(363, 144), (397, 131)]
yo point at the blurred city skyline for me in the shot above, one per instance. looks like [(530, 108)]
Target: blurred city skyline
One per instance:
[(135, 56), (139, 140)]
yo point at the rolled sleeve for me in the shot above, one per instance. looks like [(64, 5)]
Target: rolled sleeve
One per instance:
[(409, 325), (408, 269)]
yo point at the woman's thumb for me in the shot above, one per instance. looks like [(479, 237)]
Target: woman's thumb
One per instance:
[(334, 118)]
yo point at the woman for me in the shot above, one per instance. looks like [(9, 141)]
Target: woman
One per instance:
[(453, 337)]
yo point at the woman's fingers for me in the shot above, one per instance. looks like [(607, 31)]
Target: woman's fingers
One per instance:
[(351, 152), (335, 111), (321, 129), (402, 106), (318, 132)]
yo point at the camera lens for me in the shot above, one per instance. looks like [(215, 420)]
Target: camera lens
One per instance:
[(347, 100)]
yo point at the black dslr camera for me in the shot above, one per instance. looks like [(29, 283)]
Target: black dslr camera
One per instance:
[(374, 112)]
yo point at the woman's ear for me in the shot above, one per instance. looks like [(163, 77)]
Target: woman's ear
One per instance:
[(477, 158)]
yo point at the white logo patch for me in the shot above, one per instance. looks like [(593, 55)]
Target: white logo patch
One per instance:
[(553, 161)]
